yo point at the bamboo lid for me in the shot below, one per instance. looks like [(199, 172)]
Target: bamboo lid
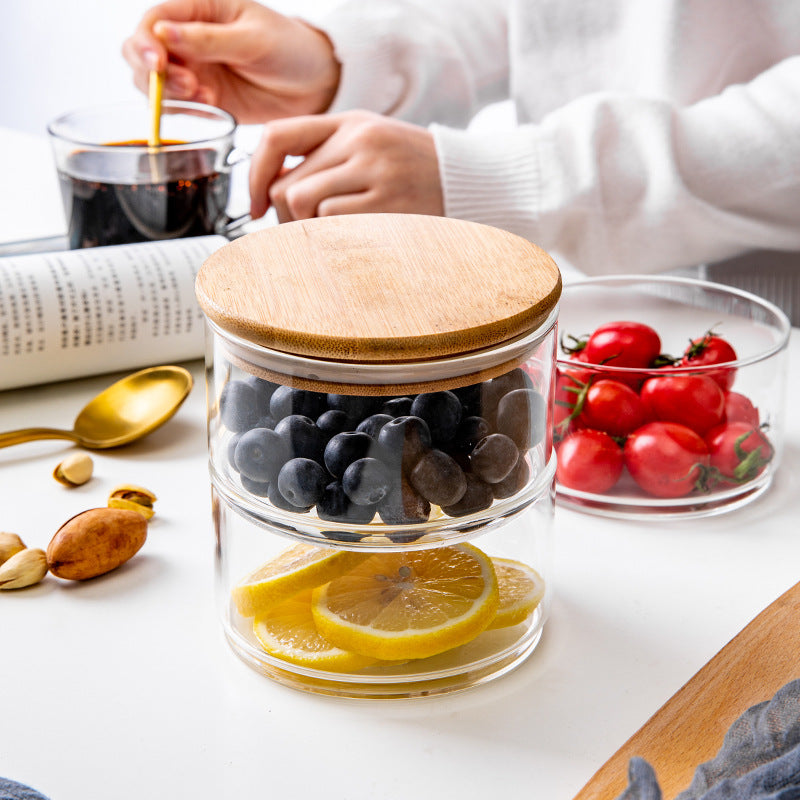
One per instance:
[(378, 288)]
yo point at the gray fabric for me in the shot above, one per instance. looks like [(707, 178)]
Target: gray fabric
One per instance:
[(759, 758), (11, 790)]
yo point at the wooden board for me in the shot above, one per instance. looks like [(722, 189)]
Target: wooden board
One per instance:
[(379, 287), (689, 728)]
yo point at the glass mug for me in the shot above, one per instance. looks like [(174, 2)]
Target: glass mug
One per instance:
[(117, 189)]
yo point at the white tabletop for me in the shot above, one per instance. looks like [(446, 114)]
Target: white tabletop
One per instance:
[(123, 687)]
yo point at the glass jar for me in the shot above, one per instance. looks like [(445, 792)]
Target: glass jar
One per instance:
[(381, 456)]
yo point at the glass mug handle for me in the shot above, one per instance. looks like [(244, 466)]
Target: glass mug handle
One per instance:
[(229, 226)]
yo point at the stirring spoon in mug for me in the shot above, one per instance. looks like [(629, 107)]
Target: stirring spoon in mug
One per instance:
[(156, 94), (127, 410)]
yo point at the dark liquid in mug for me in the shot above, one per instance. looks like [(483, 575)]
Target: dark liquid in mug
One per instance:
[(184, 196)]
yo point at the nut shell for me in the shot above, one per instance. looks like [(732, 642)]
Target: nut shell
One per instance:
[(95, 542), (10, 544), (24, 568), (75, 470), (135, 498)]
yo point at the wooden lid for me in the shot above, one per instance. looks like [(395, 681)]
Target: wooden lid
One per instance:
[(378, 288)]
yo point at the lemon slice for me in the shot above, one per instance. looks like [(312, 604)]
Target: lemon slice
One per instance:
[(288, 632), (521, 589), (303, 566), (414, 604)]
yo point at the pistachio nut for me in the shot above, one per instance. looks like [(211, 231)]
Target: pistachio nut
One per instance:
[(74, 470), (23, 569), (133, 498), (10, 544)]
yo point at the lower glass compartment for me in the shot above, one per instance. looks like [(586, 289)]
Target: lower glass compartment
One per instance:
[(385, 616), (489, 656)]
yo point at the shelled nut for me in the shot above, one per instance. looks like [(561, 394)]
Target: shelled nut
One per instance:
[(75, 470)]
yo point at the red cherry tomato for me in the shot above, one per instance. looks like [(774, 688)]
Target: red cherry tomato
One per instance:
[(709, 350), (623, 344), (666, 459), (739, 408), (589, 461), (613, 408), (695, 401), (739, 451)]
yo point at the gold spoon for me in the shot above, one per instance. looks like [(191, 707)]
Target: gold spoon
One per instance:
[(155, 95), (127, 410)]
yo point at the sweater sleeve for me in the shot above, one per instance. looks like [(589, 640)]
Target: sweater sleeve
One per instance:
[(419, 60), (626, 184)]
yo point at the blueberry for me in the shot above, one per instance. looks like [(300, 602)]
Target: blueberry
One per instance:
[(442, 413), (285, 400), (230, 451), (302, 481), (372, 425), (469, 432), (510, 381), (238, 406), (264, 390), (522, 416), (494, 457), (345, 448), (355, 406), (514, 481), (255, 487), (265, 421), (397, 407), (303, 438), (279, 501), (366, 481), (260, 454), (344, 536), (335, 506), (470, 399), (477, 497), (438, 478), (403, 440), (403, 505), (333, 422)]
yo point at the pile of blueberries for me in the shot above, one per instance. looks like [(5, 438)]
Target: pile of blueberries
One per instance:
[(351, 456)]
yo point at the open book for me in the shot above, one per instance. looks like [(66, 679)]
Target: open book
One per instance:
[(70, 314)]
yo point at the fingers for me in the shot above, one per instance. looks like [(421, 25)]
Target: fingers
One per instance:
[(296, 136), (354, 162), (302, 195)]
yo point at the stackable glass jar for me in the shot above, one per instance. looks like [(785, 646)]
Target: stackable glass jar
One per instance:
[(380, 446)]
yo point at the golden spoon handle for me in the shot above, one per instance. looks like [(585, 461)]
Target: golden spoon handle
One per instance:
[(29, 434)]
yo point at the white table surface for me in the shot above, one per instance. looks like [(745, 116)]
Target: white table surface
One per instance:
[(123, 687)]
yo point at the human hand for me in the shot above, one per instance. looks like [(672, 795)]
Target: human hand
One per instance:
[(355, 162), (236, 54)]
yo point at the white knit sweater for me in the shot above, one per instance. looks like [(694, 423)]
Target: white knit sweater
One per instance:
[(651, 135)]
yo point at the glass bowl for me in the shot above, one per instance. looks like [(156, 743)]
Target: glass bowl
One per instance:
[(625, 451)]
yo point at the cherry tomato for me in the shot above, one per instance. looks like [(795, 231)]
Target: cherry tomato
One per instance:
[(695, 401), (711, 349), (623, 344), (739, 408), (613, 408), (589, 461), (666, 459), (739, 451)]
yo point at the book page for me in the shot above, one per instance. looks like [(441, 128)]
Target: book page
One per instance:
[(75, 313)]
